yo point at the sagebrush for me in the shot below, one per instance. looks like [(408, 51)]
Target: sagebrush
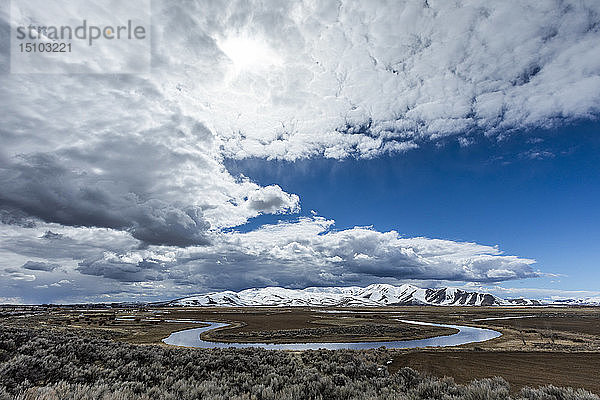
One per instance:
[(64, 364)]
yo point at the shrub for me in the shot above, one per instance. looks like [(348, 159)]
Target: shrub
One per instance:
[(69, 364)]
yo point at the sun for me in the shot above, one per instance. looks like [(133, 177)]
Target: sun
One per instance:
[(249, 54)]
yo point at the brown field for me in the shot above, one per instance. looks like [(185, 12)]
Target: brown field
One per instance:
[(293, 326), (559, 346), (579, 370), (150, 326), (587, 324)]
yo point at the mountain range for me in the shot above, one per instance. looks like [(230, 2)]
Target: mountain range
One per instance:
[(372, 295), (583, 301)]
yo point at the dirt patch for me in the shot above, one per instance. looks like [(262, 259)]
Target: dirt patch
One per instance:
[(565, 322), (579, 370)]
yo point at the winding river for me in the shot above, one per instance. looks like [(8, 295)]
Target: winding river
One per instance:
[(466, 334)]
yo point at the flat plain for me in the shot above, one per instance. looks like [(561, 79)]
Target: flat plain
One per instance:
[(538, 346)]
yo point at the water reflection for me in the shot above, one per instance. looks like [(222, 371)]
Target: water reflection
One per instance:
[(466, 334)]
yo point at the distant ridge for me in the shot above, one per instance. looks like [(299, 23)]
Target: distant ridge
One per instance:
[(370, 296), (584, 301)]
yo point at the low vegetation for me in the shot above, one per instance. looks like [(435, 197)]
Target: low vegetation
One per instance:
[(334, 333), (76, 364)]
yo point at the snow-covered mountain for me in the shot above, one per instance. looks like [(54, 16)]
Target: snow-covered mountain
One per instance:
[(584, 301), (372, 295)]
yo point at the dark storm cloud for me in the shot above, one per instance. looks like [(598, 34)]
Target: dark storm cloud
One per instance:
[(116, 268), (92, 165), (308, 253), (40, 266), (45, 244), (40, 185), (14, 216)]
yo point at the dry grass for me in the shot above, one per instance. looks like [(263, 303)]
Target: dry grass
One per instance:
[(579, 370), (559, 346)]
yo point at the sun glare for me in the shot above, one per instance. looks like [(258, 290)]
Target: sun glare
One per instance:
[(249, 53)]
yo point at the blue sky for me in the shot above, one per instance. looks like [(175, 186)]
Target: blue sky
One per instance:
[(535, 194), (438, 143)]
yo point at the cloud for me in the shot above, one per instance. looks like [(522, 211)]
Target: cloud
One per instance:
[(14, 216), (61, 283), (529, 292), (273, 200), (129, 267), (11, 300), (158, 176), (121, 179), (20, 244), (109, 265), (309, 252), (363, 79), (144, 154), (52, 236), (536, 154), (16, 275), (40, 266)]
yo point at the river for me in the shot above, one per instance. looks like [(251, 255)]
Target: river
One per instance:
[(465, 334)]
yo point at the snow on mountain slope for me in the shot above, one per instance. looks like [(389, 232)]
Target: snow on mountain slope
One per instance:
[(372, 295), (584, 301), (525, 302)]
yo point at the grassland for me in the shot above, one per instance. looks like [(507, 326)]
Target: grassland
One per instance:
[(539, 346), (150, 326), (519, 368)]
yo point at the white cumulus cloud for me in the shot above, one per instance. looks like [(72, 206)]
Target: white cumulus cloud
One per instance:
[(113, 182)]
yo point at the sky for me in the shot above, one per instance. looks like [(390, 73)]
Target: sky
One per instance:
[(532, 197), (298, 144)]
